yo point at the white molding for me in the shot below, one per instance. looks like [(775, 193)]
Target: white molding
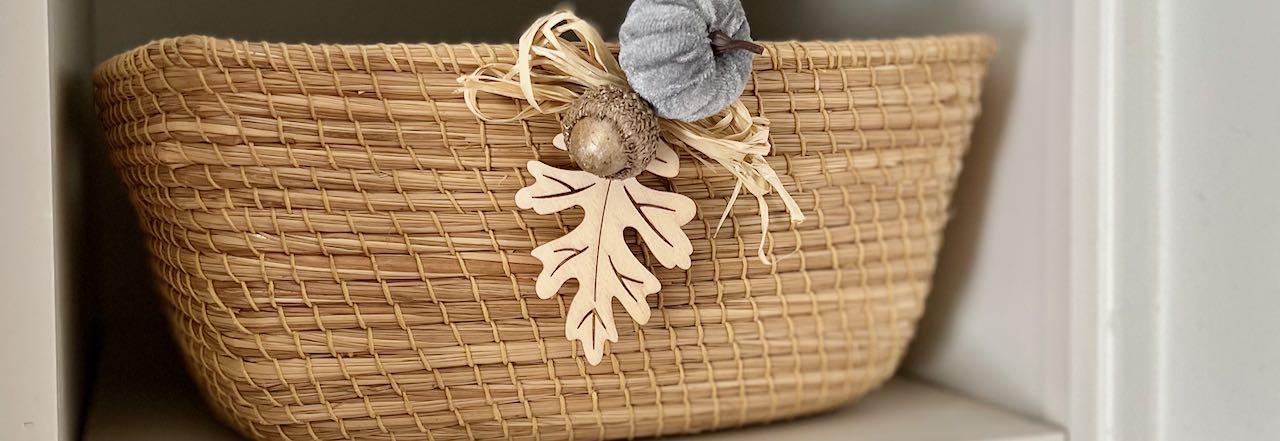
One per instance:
[(1116, 231), (1090, 251), (28, 328)]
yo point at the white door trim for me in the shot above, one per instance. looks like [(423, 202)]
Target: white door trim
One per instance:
[(1116, 206), (28, 324)]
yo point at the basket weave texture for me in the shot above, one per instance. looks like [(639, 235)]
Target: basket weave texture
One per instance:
[(336, 236)]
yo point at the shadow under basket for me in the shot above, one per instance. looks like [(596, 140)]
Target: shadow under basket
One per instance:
[(336, 237)]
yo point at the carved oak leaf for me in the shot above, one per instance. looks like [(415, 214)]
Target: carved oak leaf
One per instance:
[(596, 253)]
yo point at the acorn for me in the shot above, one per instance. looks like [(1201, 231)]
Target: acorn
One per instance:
[(611, 132)]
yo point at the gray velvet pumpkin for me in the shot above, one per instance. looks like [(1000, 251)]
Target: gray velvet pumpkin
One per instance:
[(668, 55)]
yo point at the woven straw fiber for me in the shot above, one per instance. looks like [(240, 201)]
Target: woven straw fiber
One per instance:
[(336, 237)]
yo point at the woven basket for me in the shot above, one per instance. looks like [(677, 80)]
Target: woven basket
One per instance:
[(336, 237)]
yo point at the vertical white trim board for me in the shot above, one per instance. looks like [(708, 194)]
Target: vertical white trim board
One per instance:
[(28, 336), (1116, 220)]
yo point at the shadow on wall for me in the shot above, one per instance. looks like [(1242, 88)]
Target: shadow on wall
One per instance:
[(968, 205), (131, 313), (123, 24), (937, 342), (941, 340)]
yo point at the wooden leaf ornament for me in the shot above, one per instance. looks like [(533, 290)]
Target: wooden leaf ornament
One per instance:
[(596, 253)]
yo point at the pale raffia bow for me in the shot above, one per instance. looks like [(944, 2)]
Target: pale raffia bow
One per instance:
[(551, 72)]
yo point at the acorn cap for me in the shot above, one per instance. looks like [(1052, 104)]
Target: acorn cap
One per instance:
[(611, 132)]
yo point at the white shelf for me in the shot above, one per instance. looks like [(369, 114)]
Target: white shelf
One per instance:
[(903, 410)]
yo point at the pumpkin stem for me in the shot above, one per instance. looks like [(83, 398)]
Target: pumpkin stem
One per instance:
[(722, 42)]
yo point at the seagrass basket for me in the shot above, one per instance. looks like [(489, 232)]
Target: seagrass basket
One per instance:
[(336, 238)]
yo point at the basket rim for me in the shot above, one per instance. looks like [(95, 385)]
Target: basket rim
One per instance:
[(971, 46)]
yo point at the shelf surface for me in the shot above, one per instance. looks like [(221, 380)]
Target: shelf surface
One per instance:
[(903, 410)]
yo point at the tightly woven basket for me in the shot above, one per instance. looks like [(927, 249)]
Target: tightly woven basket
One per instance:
[(336, 236)]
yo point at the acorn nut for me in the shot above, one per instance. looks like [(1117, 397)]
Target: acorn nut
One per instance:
[(611, 132)]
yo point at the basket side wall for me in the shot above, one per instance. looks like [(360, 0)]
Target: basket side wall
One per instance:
[(337, 240)]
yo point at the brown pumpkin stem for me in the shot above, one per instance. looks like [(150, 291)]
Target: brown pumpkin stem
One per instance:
[(722, 42)]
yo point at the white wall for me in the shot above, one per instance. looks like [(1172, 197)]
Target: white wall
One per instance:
[(1220, 364)]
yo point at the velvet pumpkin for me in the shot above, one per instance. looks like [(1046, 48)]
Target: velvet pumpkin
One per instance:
[(674, 60)]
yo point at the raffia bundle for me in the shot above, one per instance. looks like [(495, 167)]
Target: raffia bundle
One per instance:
[(335, 234)]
